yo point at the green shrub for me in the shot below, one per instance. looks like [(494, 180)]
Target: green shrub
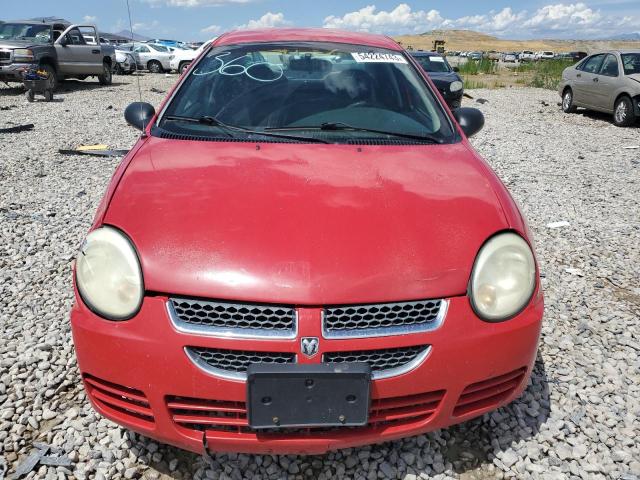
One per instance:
[(474, 67), (548, 73)]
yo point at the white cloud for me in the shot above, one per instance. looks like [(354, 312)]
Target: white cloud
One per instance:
[(268, 20), (215, 29), (89, 18), (561, 20), (193, 3), (401, 18)]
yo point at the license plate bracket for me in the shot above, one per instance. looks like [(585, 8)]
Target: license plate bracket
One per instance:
[(308, 395)]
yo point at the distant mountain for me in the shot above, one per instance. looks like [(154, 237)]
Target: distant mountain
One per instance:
[(135, 36), (626, 37)]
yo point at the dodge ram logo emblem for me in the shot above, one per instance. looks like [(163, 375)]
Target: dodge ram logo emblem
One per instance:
[(309, 346)]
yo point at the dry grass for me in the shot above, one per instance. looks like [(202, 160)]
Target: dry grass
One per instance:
[(466, 40)]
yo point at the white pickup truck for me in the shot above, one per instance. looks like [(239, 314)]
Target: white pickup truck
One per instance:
[(526, 56)]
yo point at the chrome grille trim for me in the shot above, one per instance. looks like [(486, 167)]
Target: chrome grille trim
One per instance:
[(384, 331), (418, 353), (184, 326), (195, 354)]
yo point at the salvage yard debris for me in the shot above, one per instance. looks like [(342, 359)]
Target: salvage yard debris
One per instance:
[(17, 128), (558, 224), (94, 150), (39, 456)]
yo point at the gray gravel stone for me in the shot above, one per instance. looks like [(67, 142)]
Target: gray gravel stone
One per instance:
[(579, 416)]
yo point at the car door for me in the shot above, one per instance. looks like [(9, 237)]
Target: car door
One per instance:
[(584, 83), (74, 55), (605, 83), (143, 55)]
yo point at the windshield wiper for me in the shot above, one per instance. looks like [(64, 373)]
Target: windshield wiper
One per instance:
[(336, 126), (214, 122)]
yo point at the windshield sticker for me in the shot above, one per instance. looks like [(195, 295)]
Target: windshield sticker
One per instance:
[(270, 72), (436, 59), (374, 57)]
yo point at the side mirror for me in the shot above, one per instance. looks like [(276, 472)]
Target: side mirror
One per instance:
[(139, 114), (456, 69), (63, 41), (471, 120)]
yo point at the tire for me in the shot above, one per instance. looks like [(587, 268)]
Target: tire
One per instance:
[(118, 70), (30, 96), (567, 101), (155, 66), (623, 114), (48, 95), (183, 66), (51, 73), (106, 78)]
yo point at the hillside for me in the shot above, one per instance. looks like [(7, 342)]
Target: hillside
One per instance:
[(466, 40)]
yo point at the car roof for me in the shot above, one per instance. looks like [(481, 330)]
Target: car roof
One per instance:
[(424, 54), (307, 35)]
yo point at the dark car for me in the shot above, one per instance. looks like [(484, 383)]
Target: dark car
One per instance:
[(443, 75)]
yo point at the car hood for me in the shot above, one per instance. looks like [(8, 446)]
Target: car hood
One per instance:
[(11, 44), (306, 224), (636, 77)]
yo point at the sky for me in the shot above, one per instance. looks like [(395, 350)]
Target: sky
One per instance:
[(190, 20)]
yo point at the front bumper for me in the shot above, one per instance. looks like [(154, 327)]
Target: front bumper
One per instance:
[(13, 72), (141, 367)]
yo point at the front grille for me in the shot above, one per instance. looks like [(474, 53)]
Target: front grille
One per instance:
[(226, 416), (384, 363), (5, 56), (233, 363), (488, 393), (383, 319), (224, 318), (121, 402)]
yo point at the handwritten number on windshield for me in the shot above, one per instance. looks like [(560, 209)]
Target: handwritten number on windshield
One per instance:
[(233, 68)]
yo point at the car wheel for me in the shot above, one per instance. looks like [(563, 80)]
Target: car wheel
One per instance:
[(118, 70), (183, 67), (51, 75), (567, 101), (30, 96), (106, 77), (48, 95), (154, 66), (623, 114)]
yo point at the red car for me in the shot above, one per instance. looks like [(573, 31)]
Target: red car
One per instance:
[(303, 253)]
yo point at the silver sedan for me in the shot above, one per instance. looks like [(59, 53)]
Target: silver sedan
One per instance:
[(606, 82)]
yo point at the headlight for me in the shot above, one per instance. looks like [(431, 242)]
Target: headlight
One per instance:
[(455, 86), (23, 55), (503, 278), (108, 274)]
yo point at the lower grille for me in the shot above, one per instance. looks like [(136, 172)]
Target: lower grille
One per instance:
[(385, 363), (488, 393), (225, 416), (121, 402), (233, 363)]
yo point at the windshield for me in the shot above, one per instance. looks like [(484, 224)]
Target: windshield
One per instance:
[(631, 63), (307, 86), (432, 63), (35, 32)]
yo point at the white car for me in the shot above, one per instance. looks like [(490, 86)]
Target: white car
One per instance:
[(125, 62), (526, 56), (150, 56), (182, 58), (545, 56)]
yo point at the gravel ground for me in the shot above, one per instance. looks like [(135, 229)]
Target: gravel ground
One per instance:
[(579, 417)]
